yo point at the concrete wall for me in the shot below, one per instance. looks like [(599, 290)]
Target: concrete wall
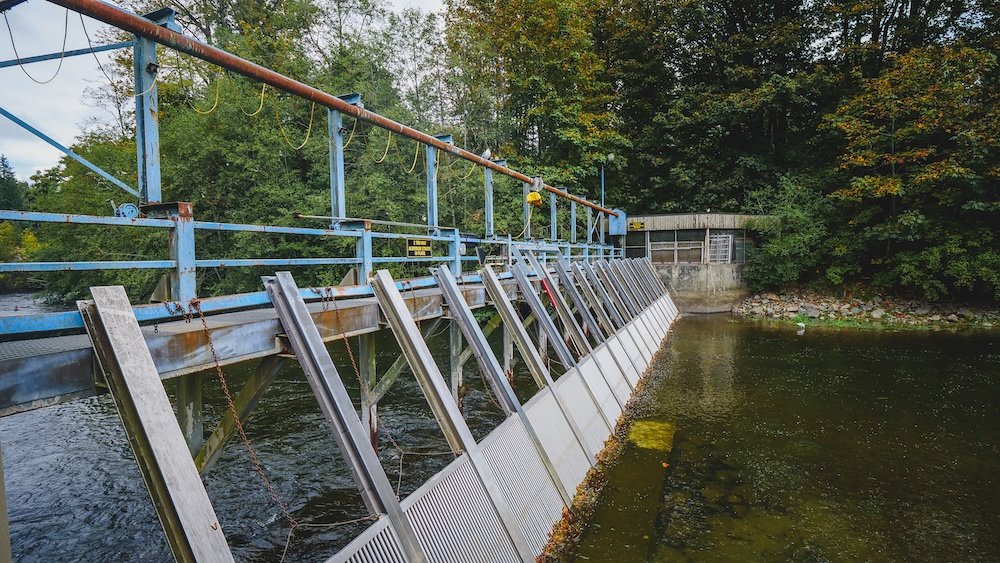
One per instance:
[(704, 288)]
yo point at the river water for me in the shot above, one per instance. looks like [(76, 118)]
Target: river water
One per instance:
[(755, 443), (74, 492), (831, 445)]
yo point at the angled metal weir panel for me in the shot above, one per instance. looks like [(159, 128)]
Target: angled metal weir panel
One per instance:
[(571, 462), (377, 544), (595, 378), (575, 394), (338, 409), (455, 519), (524, 481), (615, 377), (446, 411)]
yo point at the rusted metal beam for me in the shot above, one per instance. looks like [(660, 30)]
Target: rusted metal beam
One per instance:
[(143, 27)]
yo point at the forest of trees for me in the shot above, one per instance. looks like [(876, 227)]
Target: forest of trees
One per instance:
[(869, 130)]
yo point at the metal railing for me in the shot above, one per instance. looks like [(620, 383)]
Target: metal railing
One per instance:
[(178, 218)]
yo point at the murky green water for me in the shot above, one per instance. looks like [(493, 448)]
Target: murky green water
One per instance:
[(765, 445)]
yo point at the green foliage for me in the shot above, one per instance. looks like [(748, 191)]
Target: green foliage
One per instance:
[(866, 130), (921, 185), (792, 233)]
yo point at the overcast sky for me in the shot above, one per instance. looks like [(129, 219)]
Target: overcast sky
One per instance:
[(57, 108)]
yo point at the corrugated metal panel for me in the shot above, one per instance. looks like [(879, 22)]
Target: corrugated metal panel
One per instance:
[(614, 344), (455, 520), (638, 332), (591, 373), (377, 544), (522, 478), (451, 513), (613, 374), (682, 221), (557, 438), (571, 390)]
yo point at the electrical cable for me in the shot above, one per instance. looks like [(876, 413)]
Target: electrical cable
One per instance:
[(215, 104), (261, 106), (416, 154), (531, 210), (312, 111), (17, 56), (386, 153), (351, 136), (96, 58), (472, 168)]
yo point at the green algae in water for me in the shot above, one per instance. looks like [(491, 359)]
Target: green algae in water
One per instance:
[(821, 447), (652, 435)]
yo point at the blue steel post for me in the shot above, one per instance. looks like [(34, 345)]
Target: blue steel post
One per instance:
[(147, 130), (455, 251), (183, 281), (432, 188), (363, 252), (553, 218), (335, 127), (526, 210), (488, 209), (488, 180), (572, 221), (338, 207)]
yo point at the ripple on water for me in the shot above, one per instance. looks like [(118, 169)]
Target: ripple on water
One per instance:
[(832, 446)]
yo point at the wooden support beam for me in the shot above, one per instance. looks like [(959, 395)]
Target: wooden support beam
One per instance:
[(193, 531), (369, 378), (455, 359), (400, 364), (189, 411), (250, 394)]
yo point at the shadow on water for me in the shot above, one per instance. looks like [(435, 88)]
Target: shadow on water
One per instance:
[(75, 492), (754, 443)]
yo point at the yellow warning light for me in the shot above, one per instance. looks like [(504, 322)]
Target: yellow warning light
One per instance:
[(534, 198)]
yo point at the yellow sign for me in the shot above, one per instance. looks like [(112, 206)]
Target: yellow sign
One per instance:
[(418, 248), (637, 225)]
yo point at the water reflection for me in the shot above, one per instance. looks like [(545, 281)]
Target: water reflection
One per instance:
[(828, 446)]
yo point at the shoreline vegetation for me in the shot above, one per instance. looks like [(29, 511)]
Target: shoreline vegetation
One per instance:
[(875, 312)]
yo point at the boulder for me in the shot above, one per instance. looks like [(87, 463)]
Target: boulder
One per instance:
[(878, 313)]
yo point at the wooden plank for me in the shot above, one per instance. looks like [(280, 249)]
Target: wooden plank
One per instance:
[(182, 504)]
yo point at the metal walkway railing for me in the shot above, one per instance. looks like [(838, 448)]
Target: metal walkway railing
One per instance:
[(498, 500)]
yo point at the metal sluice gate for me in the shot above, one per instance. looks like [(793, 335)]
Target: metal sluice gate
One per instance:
[(499, 498)]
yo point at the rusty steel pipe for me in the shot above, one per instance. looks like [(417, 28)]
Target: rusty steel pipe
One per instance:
[(123, 19)]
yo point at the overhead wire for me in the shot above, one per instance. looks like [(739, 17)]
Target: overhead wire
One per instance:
[(388, 142), (96, 58), (215, 104), (260, 107), (312, 111), (17, 56)]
